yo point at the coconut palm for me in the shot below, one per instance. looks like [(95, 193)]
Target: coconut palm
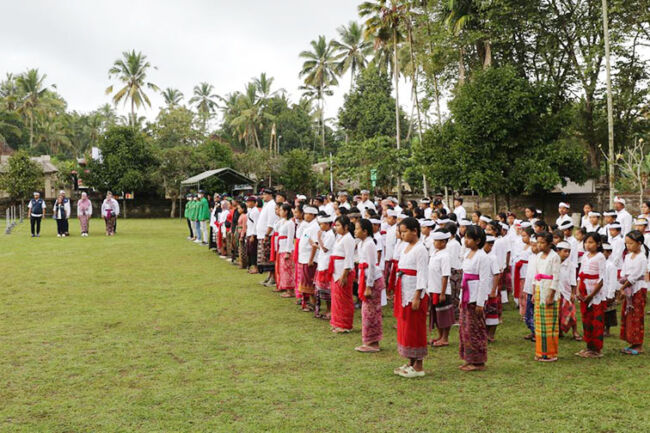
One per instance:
[(353, 49), (132, 71), (31, 85), (250, 116), (319, 72), (172, 97), (264, 85), (9, 92), (205, 101)]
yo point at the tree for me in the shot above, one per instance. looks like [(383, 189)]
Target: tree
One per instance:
[(176, 164), (205, 102), (127, 159), (369, 109), (176, 126), (11, 128), (172, 97), (22, 177), (352, 49), (132, 71), (32, 86), (296, 173), (319, 72)]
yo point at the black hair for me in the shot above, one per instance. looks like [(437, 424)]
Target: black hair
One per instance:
[(503, 216), (244, 208), (281, 194), (647, 203), (354, 209), (260, 203), (322, 213), (559, 233), (477, 234), (542, 224), (419, 212), (637, 236), (345, 222), (300, 208), (590, 204), (453, 217), (478, 213), (533, 210), (459, 199), (452, 228), (288, 209), (408, 213), (583, 230), (529, 231), (547, 236), (496, 227), (366, 226), (413, 203), (597, 238), (411, 224), (344, 210), (372, 213)]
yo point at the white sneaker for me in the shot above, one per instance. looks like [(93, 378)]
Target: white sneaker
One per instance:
[(197, 241), (58, 236), (410, 372), (398, 370)]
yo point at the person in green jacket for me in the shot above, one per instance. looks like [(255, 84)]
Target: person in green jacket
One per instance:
[(203, 216), (186, 215)]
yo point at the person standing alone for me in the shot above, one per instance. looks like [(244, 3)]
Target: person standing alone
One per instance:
[(36, 212)]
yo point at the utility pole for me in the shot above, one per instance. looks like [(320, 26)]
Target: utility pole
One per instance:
[(610, 114)]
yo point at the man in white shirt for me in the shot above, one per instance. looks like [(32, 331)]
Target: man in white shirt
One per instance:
[(459, 210), (563, 210), (36, 213), (264, 229), (623, 216), (365, 203), (442, 204), (252, 215), (395, 204), (343, 200)]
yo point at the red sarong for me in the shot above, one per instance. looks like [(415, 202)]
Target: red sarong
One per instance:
[(412, 330), (397, 303), (517, 284), (362, 281), (274, 247), (342, 315), (632, 319)]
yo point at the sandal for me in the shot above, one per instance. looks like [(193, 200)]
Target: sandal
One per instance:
[(366, 349), (577, 337), (287, 295), (438, 343), (472, 367), (630, 351)]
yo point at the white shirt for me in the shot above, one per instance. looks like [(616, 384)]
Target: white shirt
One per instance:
[(379, 242), (345, 205), (266, 219), (286, 228), (618, 247), (439, 267), (343, 247), (549, 265), (455, 255), (329, 209), (427, 213), (573, 257), (530, 274), (110, 204), (610, 282), (417, 259), (391, 240), (427, 241), (500, 249), (479, 264), (634, 269), (590, 227), (327, 239), (595, 265), (567, 279), (310, 232), (368, 254), (253, 215), (626, 220), (460, 212), (365, 205), (561, 219)]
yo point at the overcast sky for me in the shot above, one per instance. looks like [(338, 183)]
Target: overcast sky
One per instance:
[(223, 42)]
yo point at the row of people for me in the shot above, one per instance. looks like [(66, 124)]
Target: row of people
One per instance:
[(62, 211)]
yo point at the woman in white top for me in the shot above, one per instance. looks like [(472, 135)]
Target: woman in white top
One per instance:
[(84, 212), (476, 286), (546, 296), (633, 292), (590, 293), (110, 210), (411, 299), (342, 268), (325, 241), (371, 284), (284, 259)]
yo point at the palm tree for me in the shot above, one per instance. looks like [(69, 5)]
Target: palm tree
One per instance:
[(9, 92), (319, 71), (204, 100), (172, 97), (31, 84), (383, 21), (131, 70), (353, 49), (263, 85), (250, 116), (310, 94)]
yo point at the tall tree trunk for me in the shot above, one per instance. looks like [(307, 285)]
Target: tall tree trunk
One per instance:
[(414, 79), (132, 116), (461, 66), (397, 126), (31, 129), (322, 117), (436, 91), (610, 115), (487, 61), (173, 211)]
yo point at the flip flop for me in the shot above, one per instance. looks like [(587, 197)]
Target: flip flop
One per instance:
[(472, 367), (437, 343), (577, 338), (630, 351), (366, 349)]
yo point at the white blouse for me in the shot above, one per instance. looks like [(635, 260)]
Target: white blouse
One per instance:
[(379, 242), (455, 257), (567, 279), (368, 254), (417, 259), (397, 250), (479, 265), (327, 239), (595, 265), (439, 267), (310, 232), (634, 269), (530, 274), (343, 247), (391, 240), (549, 265), (286, 228), (610, 282)]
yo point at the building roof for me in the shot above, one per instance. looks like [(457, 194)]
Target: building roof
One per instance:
[(227, 174), (43, 160)]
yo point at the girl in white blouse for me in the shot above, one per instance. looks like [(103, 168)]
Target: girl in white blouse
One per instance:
[(285, 241), (411, 299), (590, 294), (325, 241), (370, 283), (342, 269), (633, 292)]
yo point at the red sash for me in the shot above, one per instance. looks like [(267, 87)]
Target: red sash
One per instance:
[(219, 240), (274, 247), (582, 287), (330, 268), (362, 281), (397, 304), (520, 264), (392, 278)]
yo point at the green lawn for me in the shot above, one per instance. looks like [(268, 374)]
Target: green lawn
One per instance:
[(146, 332)]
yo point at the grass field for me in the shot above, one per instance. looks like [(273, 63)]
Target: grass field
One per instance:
[(146, 332)]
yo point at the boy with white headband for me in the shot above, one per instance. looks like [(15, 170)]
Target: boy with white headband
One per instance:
[(441, 314)]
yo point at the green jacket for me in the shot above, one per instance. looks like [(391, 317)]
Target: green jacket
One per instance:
[(192, 211), (203, 210), (188, 207)]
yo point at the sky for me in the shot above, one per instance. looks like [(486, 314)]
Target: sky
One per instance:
[(225, 43)]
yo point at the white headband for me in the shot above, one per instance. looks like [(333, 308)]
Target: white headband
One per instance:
[(490, 239), (485, 219), (311, 210), (327, 219), (465, 222), (619, 200), (375, 221), (427, 223), (563, 246), (525, 224), (392, 213), (609, 213), (593, 214), (440, 236), (565, 205)]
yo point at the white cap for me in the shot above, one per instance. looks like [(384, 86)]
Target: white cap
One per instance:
[(485, 219), (490, 239), (593, 214), (310, 209), (607, 246), (564, 205), (641, 222), (392, 213), (364, 191), (440, 236), (345, 193), (402, 216), (566, 225), (301, 197), (393, 199), (443, 221), (465, 222), (325, 219), (427, 223), (564, 245), (619, 200), (63, 192)]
